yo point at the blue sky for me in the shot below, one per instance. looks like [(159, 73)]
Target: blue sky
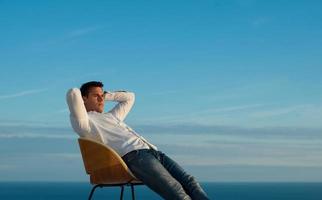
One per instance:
[(229, 89)]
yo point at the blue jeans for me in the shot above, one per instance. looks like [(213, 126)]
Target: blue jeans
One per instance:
[(163, 175)]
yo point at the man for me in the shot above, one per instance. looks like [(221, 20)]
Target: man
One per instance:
[(152, 167)]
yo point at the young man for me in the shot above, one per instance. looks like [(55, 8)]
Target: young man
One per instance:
[(152, 167)]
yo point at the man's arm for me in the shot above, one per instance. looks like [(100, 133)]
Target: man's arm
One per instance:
[(78, 113), (126, 101)]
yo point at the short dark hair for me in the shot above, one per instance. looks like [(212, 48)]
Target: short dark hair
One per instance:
[(87, 86)]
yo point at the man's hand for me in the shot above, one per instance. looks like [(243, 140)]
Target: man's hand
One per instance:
[(108, 96)]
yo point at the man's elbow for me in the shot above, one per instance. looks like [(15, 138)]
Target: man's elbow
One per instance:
[(131, 96), (72, 93)]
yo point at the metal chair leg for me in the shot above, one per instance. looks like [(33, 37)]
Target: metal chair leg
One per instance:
[(92, 191), (132, 191), (112, 185), (122, 189)]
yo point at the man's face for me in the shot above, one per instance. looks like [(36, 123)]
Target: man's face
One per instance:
[(95, 100)]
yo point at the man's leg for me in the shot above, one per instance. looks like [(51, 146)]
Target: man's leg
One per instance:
[(190, 185), (146, 167)]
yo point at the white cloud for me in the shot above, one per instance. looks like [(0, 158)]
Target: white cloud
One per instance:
[(252, 115), (280, 111), (37, 135), (231, 108), (83, 31), (248, 161), (59, 155), (168, 92), (64, 110), (66, 37), (191, 116), (256, 154), (22, 93)]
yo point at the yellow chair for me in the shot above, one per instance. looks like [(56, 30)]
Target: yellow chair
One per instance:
[(105, 167)]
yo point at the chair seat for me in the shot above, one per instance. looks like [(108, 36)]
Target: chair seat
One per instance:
[(112, 175)]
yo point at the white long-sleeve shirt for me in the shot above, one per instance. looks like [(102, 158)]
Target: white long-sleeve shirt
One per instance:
[(107, 128)]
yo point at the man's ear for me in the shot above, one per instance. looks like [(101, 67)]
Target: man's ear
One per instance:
[(84, 98)]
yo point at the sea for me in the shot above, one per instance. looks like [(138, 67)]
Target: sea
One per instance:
[(215, 190)]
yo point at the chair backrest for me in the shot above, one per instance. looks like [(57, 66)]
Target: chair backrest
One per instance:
[(103, 164)]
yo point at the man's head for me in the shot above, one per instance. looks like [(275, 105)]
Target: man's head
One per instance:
[(93, 96)]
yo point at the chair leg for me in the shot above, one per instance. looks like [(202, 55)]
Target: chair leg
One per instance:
[(132, 191), (106, 185), (92, 191), (122, 189)]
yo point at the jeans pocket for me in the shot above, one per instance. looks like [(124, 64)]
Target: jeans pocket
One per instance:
[(130, 156)]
